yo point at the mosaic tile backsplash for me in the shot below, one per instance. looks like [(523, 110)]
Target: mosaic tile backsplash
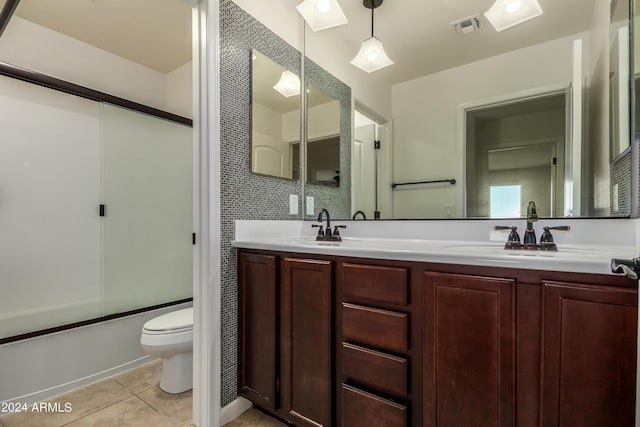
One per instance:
[(244, 195)]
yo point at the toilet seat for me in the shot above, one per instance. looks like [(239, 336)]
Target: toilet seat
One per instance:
[(170, 323)]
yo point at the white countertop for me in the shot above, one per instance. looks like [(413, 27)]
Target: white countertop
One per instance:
[(569, 258)]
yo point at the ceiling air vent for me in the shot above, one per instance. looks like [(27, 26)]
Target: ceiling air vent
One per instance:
[(466, 25)]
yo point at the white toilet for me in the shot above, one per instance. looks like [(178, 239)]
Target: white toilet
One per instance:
[(170, 337)]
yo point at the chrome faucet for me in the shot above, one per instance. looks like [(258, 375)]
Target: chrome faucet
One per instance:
[(529, 240)]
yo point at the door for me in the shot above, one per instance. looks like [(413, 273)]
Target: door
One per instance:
[(306, 341), (364, 170)]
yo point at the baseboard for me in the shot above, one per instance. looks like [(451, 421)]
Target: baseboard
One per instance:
[(234, 409), (49, 393)]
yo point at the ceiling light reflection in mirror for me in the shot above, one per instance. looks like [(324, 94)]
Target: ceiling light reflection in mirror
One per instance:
[(275, 119)]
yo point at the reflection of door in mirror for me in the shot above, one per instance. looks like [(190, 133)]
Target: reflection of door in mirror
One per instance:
[(323, 138), (275, 118), (371, 172), (364, 170), (515, 153)]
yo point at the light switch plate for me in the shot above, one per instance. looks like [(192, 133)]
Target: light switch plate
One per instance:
[(293, 204), (311, 209)]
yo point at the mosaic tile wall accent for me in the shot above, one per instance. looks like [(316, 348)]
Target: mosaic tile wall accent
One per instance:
[(337, 200), (243, 195), (621, 175)]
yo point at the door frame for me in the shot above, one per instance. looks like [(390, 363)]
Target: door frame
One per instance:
[(492, 101)]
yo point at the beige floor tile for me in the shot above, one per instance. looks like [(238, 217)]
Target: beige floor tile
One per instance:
[(132, 412), (83, 401), (255, 418), (175, 406), (141, 378)]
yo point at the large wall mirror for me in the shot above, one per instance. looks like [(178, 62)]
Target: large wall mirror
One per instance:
[(539, 111)]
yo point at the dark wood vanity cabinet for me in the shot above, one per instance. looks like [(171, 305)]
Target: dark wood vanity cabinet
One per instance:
[(306, 334), (469, 350), (257, 329), (589, 355), (350, 342), (377, 346), (285, 336)]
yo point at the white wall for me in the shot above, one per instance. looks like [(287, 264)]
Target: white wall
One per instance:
[(425, 119), (179, 94), (40, 49), (324, 48)]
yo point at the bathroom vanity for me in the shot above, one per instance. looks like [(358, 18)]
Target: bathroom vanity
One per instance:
[(329, 339)]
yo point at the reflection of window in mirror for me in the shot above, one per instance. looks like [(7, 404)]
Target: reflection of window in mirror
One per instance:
[(323, 138), (275, 118)]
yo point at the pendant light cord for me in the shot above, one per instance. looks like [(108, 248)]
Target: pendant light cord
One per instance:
[(372, 9)]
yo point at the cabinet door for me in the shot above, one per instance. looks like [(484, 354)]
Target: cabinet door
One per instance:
[(306, 341), (469, 351), (257, 355), (589, 355)]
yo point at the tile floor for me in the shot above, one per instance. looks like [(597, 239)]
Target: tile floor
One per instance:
[(131, 399)]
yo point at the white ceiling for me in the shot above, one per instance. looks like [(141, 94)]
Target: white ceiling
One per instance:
[(154, 33), (416, 33), (417, 36)]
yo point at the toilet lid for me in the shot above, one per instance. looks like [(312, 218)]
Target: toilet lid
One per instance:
[(180, 319)]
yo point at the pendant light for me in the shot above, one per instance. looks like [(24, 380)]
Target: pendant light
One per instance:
[(371, 56), (507, 13), (288, 85), (322, 14)]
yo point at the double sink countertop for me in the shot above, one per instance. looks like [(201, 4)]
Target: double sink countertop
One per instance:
[(569, 258)]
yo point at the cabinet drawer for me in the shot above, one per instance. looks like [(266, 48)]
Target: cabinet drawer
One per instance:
[(372, 368), (375, 283), (361, 409), (379, 328)]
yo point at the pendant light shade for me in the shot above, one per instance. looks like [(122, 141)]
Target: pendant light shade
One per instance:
[(322, 14), (507, 13), (288, 85), (371, 56)]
